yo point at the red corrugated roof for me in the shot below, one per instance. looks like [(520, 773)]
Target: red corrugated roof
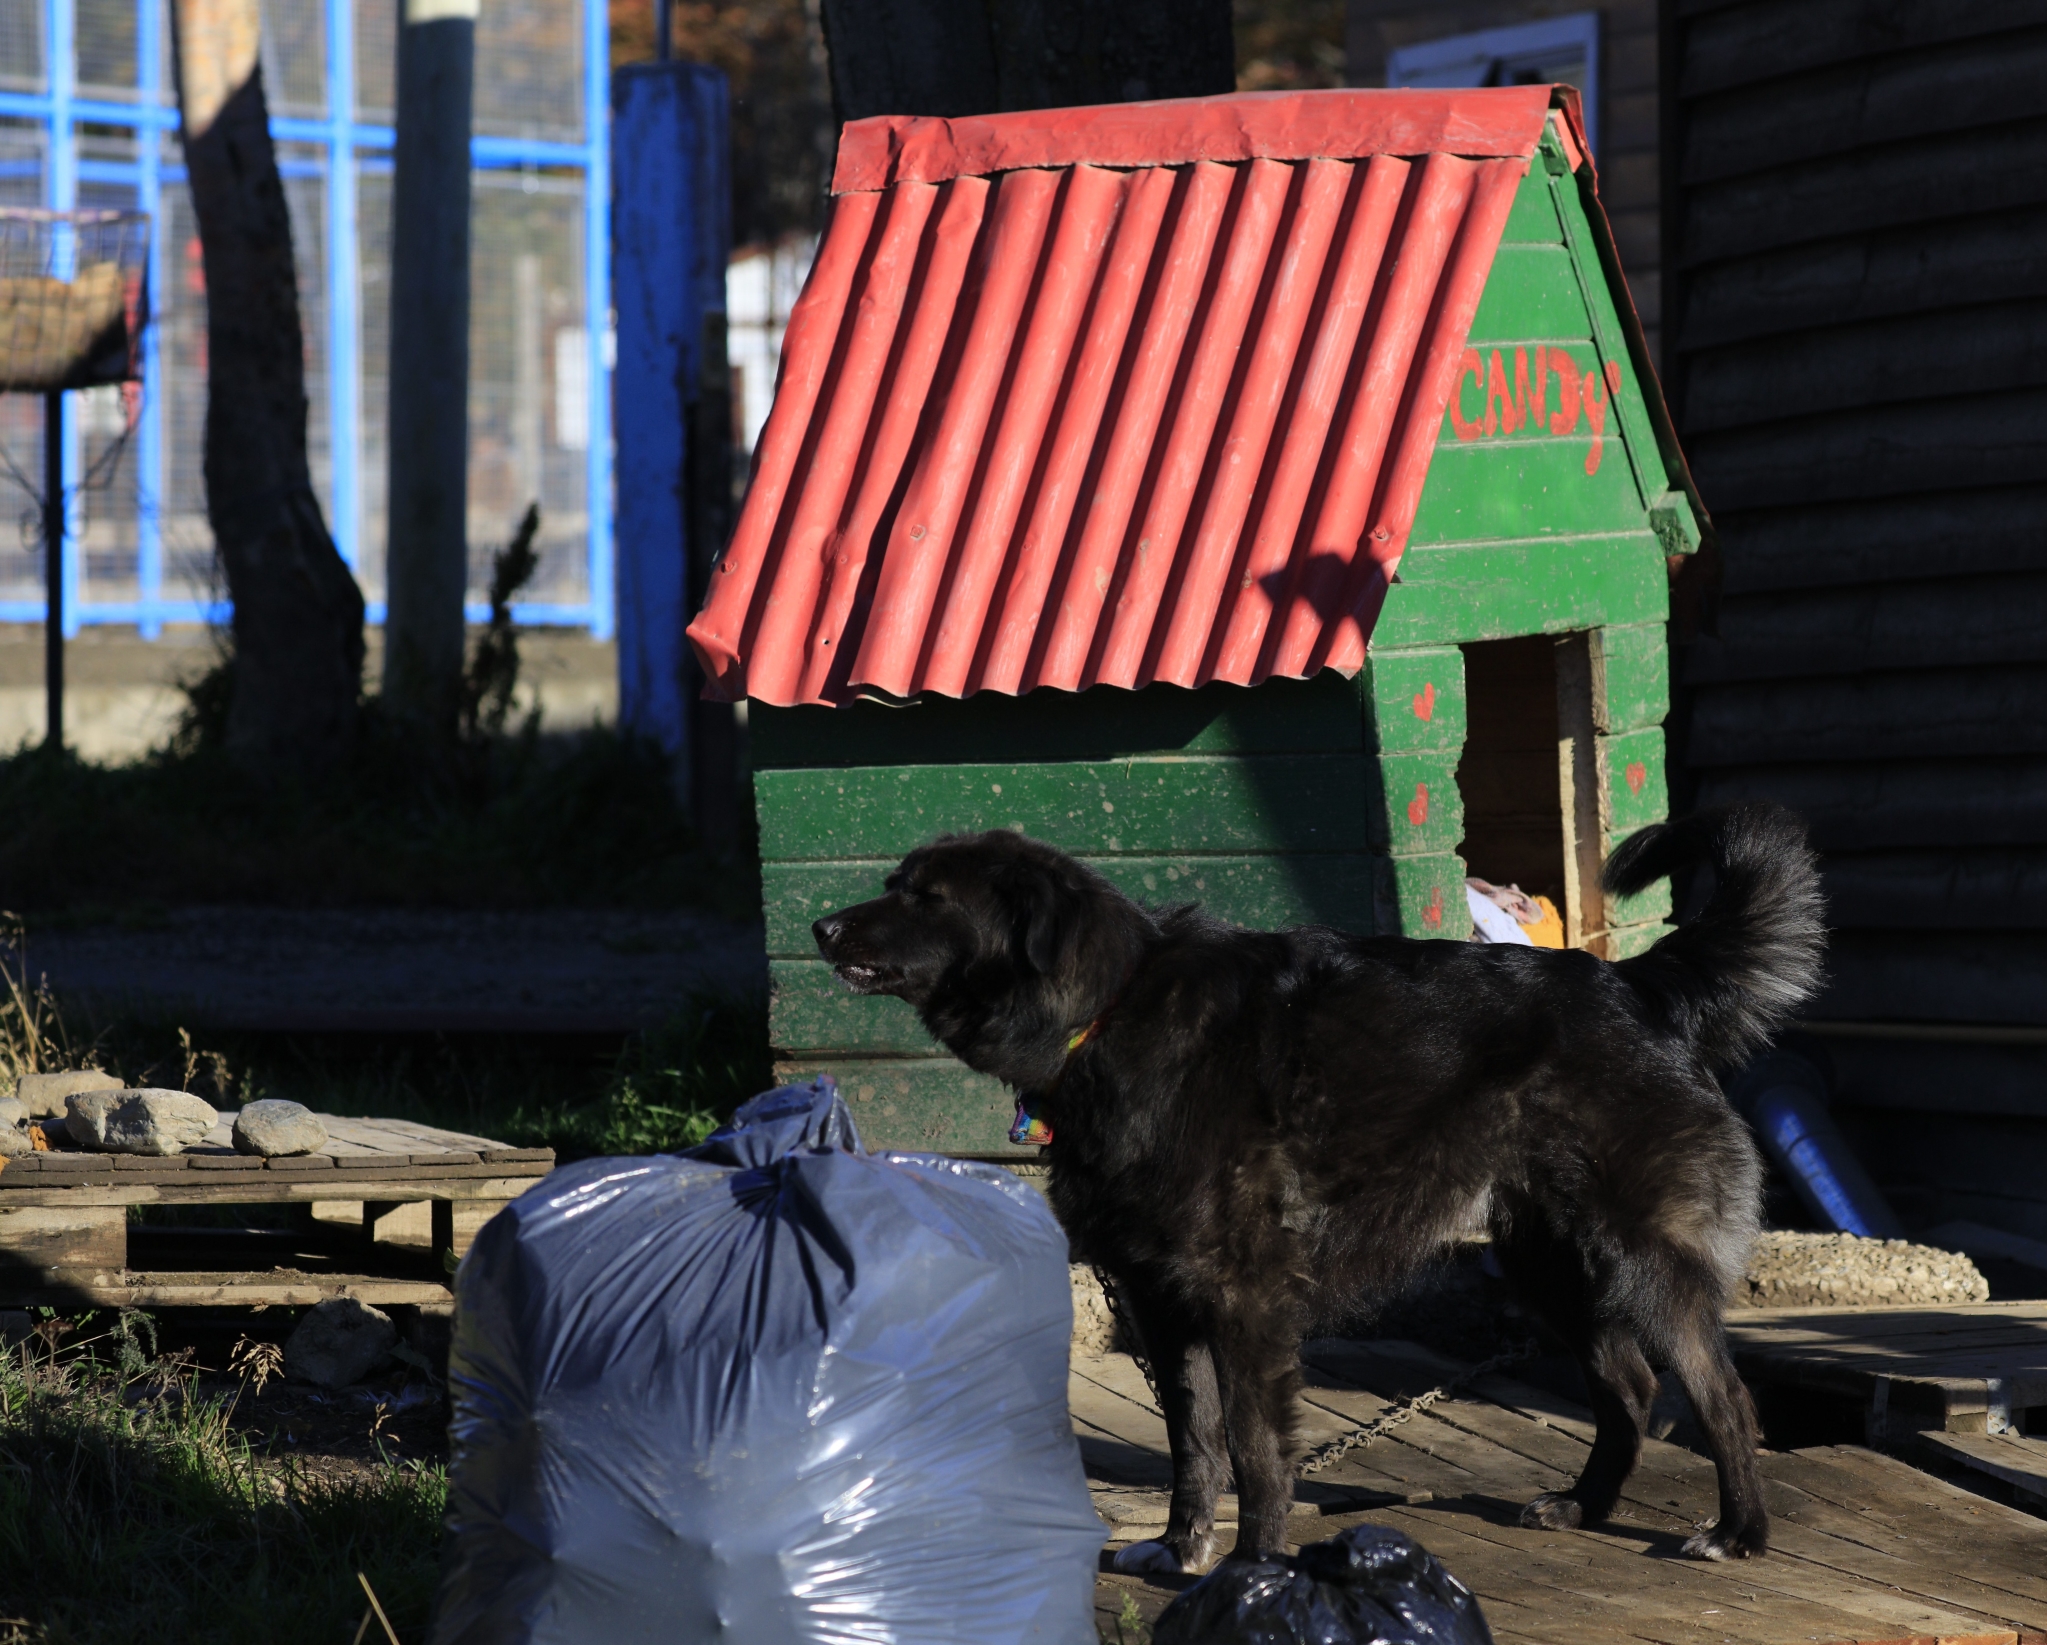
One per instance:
[(1113, 395)]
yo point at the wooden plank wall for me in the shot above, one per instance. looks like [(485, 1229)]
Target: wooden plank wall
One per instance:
[(1627, 158), (1857, 359)]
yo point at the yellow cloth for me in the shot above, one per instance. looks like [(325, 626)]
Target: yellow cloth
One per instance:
[(1547, 932)]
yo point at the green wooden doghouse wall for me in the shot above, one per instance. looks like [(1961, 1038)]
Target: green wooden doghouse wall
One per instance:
[(1506, 722)]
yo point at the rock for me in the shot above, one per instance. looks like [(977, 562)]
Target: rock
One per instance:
[(43, 1094), (15, 1141), (138, 1122), (1798, 1270), (273, 1127), (338, 1342), (12, 1112)]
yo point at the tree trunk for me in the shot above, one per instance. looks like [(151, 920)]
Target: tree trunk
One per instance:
[(947, 57), (298, 615)]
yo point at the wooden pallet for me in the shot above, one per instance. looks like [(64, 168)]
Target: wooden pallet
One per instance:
[(1865, 1548), (1973, 1368), (65, 1231)]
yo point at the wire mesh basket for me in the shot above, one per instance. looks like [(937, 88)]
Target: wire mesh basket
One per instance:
[(71, 297)]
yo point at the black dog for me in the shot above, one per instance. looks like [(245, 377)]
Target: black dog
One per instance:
[(1259, 1132)]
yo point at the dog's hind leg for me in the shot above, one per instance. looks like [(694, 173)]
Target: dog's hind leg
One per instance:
[(1622, 1388), (1192, 1406), (1698, 1353)]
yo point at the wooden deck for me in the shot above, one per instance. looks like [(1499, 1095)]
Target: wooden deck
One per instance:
[(1962, 1389), (1866, 1549), (66, 1239)]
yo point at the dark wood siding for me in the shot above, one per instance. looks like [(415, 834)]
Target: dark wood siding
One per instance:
[(1856, 354)]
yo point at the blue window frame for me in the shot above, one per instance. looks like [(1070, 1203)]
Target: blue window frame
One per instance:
[(88, 117)]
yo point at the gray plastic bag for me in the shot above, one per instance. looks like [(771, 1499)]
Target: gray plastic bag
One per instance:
[(776, 1389)]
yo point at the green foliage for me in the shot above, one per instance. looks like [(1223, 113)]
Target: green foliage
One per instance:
[(491, 678), (132, 1514)]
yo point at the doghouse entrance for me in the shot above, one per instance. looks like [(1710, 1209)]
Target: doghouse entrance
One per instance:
[(1526, 778)]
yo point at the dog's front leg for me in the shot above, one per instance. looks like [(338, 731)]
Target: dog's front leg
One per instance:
[(1260, 1381), (1185, 1370)]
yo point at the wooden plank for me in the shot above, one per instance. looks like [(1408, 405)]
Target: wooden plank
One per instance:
[(1147, 806), (1896, 359), (1888, 99), (1532, 221), (1832, 547), (1939, 1081), (1414, 700), (1886, 803), (1260, 893), (1949, 175), (433, 1136), (471, 1182), (2013, 1459), (1422, 897), (1924, 713), (1934, 976), (1630, 677), (268, 1290), (1509, 487), (1632, 783), (1318, 715), (1451, 595), (1531, 297), (1740, 45), (1580, 797), (1414, 807), (932, 1104), (1952, 622), (1995, 888), (1874, 451), (35, 1239)]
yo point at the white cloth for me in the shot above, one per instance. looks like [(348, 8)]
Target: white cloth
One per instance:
[(1494, 923)]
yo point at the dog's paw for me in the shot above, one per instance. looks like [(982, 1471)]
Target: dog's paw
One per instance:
[(1713, 1543), (1147, 1558), (1553, 1511)]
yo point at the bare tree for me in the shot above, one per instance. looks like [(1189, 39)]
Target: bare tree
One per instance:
[(298, 615)]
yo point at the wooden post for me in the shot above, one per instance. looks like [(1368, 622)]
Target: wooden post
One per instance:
[(53, 568), (426, 538), (1578, 791)]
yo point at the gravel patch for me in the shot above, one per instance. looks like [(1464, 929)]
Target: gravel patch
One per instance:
[(1792, 1270)]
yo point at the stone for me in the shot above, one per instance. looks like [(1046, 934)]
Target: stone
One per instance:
[(15, 1141), (138, 1122), (13, 1112), (339, 1341), (273, 1127), (43, 1094)]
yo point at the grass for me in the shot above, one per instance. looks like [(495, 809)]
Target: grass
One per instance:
[(131, 1514)]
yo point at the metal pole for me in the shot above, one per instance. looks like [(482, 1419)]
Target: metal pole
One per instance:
[(663, 28), (53, 566)]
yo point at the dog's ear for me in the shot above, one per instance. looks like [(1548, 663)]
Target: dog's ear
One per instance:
[(1043, 911)]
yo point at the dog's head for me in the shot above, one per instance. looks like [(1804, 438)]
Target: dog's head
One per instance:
[(999, 941)]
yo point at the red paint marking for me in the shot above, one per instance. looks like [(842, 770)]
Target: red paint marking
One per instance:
[(1472, 370), (1418, 807), (1595, 414), (1500, 414), (1566, 418), (1613, 375), (1531, 400), (1425, 701), (1432, 916), (1637, 774)]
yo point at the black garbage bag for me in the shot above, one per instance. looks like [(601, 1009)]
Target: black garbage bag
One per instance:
[(774, 1390), (1370, 1586)]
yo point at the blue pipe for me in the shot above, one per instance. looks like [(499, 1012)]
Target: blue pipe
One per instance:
[(1785, 1098)]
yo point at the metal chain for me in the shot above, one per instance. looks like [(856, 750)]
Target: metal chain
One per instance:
[(1334, 1450)]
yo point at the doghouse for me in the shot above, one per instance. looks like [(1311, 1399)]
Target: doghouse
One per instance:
[(1266, 498)]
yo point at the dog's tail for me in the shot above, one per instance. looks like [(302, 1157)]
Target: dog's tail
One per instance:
[(1730, 978)]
